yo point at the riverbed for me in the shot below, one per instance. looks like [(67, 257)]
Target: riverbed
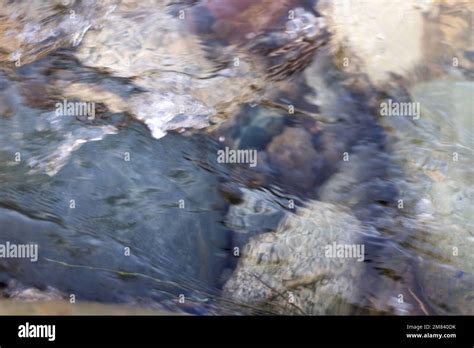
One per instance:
[(135, 206)]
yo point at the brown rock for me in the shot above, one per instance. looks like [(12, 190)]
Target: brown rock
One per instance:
[(293, 154), (235, 19)]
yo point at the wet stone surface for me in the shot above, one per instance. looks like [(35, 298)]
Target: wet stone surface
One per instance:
[(233, 238)]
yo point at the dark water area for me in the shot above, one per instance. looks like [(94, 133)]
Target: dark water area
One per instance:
[(140, 203), (118, 205)]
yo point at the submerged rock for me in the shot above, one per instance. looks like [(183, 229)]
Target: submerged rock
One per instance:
[(287, 271), (256, 212), (31, 30), (19, 292), (297, 161), (435, 153), (281, 35), (167, 211), (168, 111), (368, 36)]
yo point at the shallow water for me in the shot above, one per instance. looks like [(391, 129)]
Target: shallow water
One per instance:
[(133, 206)]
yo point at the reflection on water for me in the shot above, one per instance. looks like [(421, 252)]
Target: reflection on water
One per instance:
[(133, 205)]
